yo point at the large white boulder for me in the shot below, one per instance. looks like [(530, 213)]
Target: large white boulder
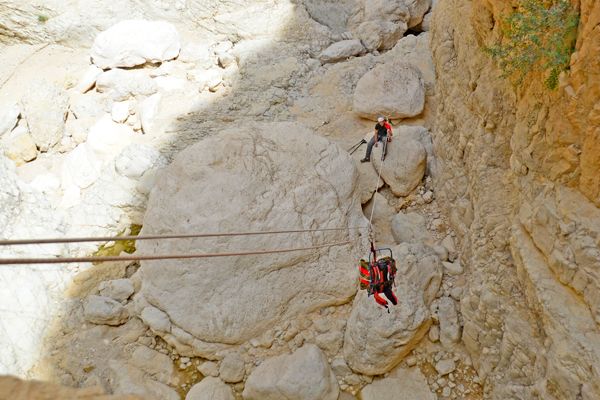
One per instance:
[(342, 50), (104, 311), (379, 24), (419, 264), (393, 89), (404, 165), (302, 375), (252, 178), (9, 114), (19, 146), (135, 42), (122, 84), (210, 389), (129, 379), (410, 227), (44, 108), (382, 214), (402, 384), (421, 135), (375, 340)]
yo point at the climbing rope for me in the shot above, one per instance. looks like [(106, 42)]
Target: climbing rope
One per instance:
[(19, 242), (67, 260), (371, 238)]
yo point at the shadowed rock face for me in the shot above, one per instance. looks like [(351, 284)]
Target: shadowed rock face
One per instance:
[(517, 180), (259, 177)]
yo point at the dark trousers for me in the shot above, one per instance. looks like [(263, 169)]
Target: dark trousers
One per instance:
[(371, 143)]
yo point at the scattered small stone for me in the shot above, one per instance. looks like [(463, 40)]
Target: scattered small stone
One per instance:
[(434, 333), (232, 369), (411, 361), (444, 367), (451, 385), (428, 197), (441, 382), (456, 293), (454, 268), (446, 392), (208, 368)]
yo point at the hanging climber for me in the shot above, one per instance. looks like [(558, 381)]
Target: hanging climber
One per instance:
[(383, 133), (378, 276)]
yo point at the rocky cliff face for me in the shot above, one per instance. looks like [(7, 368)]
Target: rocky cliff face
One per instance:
[(517, 170)]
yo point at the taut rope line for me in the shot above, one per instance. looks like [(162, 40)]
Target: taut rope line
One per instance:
[(19, 242), (67, 260)]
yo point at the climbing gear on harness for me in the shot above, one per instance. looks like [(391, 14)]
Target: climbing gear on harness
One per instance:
[(379, 276)]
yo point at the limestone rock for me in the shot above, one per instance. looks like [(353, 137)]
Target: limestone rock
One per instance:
[(367, 175), (454, 268), (159, 366), (419, 265), (16, 389), (104, 311), (376, 341), (156, 319), (88, 80), (135, 42), (395, 90), (121, 84), (107, 138), (127, 379), (449, 324), (342, 50), (302, 375), (19, 146), (117, 289), (421, 135), (210, 389), (402, 384), (444, 367), (322, 181), (382, 214), (136, 159), (417, 11), (379, 24), (410, 228), (45, 110), (404, 165), (209, 368), (81, 168), (120, 111), (8, 117), (232, 368)]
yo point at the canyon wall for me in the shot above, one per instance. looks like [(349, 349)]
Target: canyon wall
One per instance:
[(517, 171)]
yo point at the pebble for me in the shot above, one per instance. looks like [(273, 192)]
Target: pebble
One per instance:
[(451, 384), (441, 381), (444, 367), (434, 335), (411, 361), (446, 392)]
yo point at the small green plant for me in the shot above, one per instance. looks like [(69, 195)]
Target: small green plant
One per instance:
[(539, 35), (42, 19), (114, 249)]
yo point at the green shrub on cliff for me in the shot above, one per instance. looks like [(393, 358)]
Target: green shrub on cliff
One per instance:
[(537, 36)]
